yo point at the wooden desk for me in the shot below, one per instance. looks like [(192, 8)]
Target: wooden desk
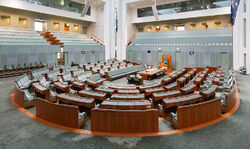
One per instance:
[(190, 88), (159, 96), (170, 104), (192, 73), (128, 97), (116, 87), (128, 92), (84, 104), (181, 82), (187, 76), (202, 76), (172, 86), (61, 88), (209, 93), (166, 81), (181, 100), (125, 121), (78, 86), (146, 74), (191, 115), (99, 96), (144, 87), (105, 90), (216, 81), (150, 91), (173, 76), (198, 82), (41, 91), (126, 104)]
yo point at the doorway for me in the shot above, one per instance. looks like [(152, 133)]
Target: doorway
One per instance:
[(159, 57), (84, 30), (40, 25), (177, 60), (61, 58), (66, 27), (224, 60)]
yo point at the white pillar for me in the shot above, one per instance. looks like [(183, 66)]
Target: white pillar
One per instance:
[(239, 49), (122, 30), (109, 29)]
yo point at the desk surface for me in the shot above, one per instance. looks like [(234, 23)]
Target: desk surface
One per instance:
[(128, 92), (126, 104), (91, 93), (77, 83), (39, 87), (208, 91), (59, 84), (182, 98), (76, 98), (122, 87), (105, 90), (128, 96), (149, 72)]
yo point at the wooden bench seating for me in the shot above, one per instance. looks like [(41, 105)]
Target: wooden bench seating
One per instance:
[(23, 97), (98, 96), (216, 80), (78, 86), (64, 115), (166, 81), (209, 93), (95, 80), (189, 88), (181, 82), (128, 92), (124, 121), (144, 87), (84, 104), (169, 103), (41, 91), (159, 96), (191, 115), (23, 82), (108, 91), (229, 100), (172, 86), (150, 91), (198, 81), (128, 97), (126, 104), (61, 88), (116, 87)]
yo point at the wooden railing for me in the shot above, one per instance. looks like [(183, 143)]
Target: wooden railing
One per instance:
[(92, 36)]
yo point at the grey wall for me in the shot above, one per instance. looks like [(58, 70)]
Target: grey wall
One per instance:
[(20, 54), (203, 55), (92, 53)]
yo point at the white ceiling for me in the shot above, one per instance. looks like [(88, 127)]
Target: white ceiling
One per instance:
[(142, 3)]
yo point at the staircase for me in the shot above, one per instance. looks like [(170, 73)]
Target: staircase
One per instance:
[(51, 38)]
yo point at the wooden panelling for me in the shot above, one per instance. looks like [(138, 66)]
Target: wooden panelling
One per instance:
[(195, 114), (59, 114), (124, 121), (230, 100)]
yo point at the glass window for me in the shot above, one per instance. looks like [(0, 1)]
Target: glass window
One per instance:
[(144, 12), (190, 5)]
